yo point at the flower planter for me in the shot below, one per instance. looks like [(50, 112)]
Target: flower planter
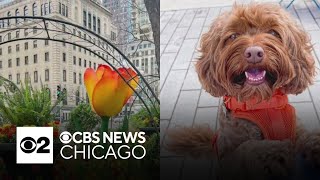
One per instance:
[(29, 171)]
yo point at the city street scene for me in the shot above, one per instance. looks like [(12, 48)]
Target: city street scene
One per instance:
[(79, 66), (183, 101)]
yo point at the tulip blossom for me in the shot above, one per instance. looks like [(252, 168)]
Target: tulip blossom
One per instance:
[(107, 91)]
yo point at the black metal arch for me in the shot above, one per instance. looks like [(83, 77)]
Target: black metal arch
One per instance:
[(85, 39)]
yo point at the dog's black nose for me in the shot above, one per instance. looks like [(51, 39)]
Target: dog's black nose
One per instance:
[(254, 54)]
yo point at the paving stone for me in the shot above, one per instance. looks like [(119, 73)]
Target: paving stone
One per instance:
[(177, 40), (202, 12), (314, 90), (307, 20), (165, 19), (195, 29), (196, 168), (207, 100), (313, 8), (299, 5), (307, 116), (185, 109), (207, 116), (185, 54), (170, 92), (192, 80), (187, 19), (212, 14), (303, 97), (163, 129), (171, 27), (166, 62), (170, 168)]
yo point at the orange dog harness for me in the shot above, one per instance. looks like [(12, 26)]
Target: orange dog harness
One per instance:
[(275, 117)]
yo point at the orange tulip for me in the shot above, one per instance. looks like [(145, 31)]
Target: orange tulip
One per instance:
[(107, 91)]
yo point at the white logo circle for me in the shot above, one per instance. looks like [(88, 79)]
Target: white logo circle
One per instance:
[(65, 137)]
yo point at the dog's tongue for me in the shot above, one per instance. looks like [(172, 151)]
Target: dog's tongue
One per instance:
[(255, 76), (255, 73)]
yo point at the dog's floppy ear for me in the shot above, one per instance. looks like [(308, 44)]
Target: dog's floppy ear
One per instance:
[(207, 62), (298, 43)]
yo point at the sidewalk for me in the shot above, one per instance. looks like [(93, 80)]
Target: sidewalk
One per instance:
[(184, 103)]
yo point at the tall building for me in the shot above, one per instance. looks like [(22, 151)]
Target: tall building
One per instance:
[(53, 63), (121, 10)]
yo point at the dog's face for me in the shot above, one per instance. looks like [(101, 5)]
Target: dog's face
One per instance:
[(253, 51)]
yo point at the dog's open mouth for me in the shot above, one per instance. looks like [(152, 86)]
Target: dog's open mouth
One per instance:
[(254, 76)]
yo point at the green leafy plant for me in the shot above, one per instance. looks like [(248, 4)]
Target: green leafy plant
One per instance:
[(24, 105), (143, 118), (82, 118)]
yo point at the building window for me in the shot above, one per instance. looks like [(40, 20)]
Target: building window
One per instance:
[(9, 63), (0, 51), (94, 24), (90, 64), (46, 74), (26, 32), (18, 61), (77, 97), (35, 44), (74, 60), (113, 36), (60, 11), (35, 58), (46, 9), (9, 36), (84, 18), (63, 27), (64, 57), (26, 60), (64, 75), (34, 29), (9, 49), (25, 12), (34, 9), (89, 20), (26, 46), (10, 77), (66, 11), (79, 61), (8, 21), (42, 7), (17, 14), (94, 65), (35, 76), (26, 76), (18, 47), (64, 42), (74, 78), (80, 78), (65, 101), (46, 56), (63, 10), (0, 64), (99, 26), (85, 63), (18, 78), (46, 42), (17, 34)]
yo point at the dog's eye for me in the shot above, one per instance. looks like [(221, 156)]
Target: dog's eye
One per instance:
[(274, 33), (234, 36)]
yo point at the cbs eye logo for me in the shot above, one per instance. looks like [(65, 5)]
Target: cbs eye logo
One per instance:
[(34, 145), (65, 137), (29, 145)]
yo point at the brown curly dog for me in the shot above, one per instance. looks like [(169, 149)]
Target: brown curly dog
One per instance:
[(253, 57)]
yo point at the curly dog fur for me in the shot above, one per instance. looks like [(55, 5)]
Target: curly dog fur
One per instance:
[(289, 66)]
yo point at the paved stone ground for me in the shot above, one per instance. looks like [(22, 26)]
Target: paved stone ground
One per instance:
[(184, 103)]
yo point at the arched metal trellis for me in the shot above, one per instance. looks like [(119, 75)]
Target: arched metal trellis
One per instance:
[(49, 29)]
